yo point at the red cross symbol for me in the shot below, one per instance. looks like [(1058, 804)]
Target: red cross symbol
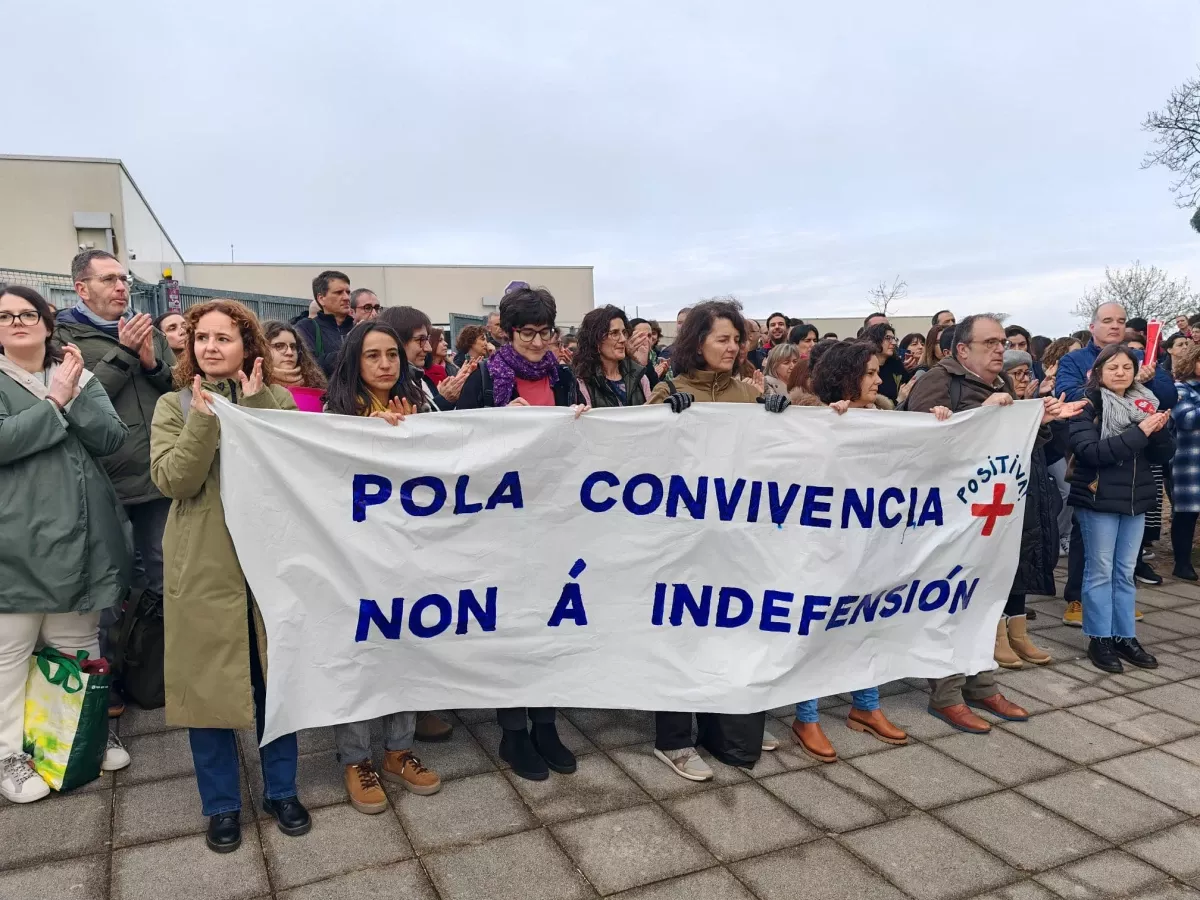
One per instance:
[(992, 511)]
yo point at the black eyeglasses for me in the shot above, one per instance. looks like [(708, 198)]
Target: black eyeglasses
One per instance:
[(370, 307), (25, 317)]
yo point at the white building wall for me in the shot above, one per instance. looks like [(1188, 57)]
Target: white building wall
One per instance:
[(147, 249)]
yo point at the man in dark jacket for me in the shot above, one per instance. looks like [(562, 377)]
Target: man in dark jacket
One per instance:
[(969, 379), (325, 332)]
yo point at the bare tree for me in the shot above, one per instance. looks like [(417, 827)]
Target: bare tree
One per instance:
[(883, 296), (1145, 293), (1176, 130)]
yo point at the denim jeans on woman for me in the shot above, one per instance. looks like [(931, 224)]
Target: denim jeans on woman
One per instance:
[(867, 700), (1111, 545)]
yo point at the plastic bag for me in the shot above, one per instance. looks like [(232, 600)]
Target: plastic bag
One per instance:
[(66, 717)]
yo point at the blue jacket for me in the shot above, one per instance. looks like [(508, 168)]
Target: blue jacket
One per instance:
[(1074, 367)]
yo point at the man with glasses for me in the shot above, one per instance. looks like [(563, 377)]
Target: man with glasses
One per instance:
[(133, 361), (364, 305), (325, 332)]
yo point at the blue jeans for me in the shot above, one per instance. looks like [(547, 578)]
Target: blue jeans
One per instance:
[(214, 751), (1111, 543), (866, 700)]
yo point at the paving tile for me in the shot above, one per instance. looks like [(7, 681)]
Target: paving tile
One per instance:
[(1108, 874), (526, 866), (1188, 749), (401, 881), (315, 740), (608, 728), (1169, 891), (1136, 720), (177, 867), (85, 878), (924, 777), (1110, 809), (1132, 679), (165, 754), (319, 779), (1175, 850), (135, 721), (1178, 589), (1177, 699), (342, 840), (1002, 755), (1050, 686), (1155, 634), (1187, 626), (77, 823), (818, 871), (155, 810), (598, 785), (657, 780), (1019, 831), (1147, 597), (911, 712), (1022, 890), (458, 757), (928, 860), (740, 821), (474, 716), (865, 788), (1171, 663), (711, 884), (1072, 737), (828, 806), (1162, 776), (1064, 634), (464, 811), (630, 847)]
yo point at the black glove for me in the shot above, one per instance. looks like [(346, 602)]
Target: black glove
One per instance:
[(776, 403), (679, 401)]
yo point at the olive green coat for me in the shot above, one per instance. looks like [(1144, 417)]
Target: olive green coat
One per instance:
[(134, 393), (206, 606), (65, 544)]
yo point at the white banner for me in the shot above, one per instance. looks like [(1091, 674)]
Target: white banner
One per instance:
[(723, 560)]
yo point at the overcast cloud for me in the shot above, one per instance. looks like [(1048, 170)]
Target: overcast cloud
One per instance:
[(791, 154)]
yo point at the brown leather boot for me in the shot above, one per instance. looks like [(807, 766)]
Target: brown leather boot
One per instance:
[(402, 767), (1001, 707), (1023, 645), (960, 717), (366, 793), (812, 741), (433, 729), (1004, 655), (874, 722)]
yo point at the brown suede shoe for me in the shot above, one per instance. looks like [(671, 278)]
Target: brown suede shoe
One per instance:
[(402, 767), (958, 716), (998, 706), (812, 741), (366, 793), (875, 723), (433, 729)]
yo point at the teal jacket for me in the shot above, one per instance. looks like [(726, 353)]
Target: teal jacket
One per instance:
[(65, 543)]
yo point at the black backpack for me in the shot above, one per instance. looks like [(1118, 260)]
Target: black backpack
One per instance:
[(136, 645)]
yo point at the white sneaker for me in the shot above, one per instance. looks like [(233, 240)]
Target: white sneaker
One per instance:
[(769, 742), (19, 781), (115, 755), (687, 763)]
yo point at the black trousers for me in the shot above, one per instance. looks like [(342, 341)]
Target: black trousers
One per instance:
[(1015, 605), (1183, 531), (1074, 586), (514, 719), (673, 731)]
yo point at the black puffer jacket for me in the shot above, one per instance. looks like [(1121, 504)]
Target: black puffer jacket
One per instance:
[(1039, 530), (1112, 475)]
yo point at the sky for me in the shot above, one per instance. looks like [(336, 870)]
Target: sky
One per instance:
[(791, 154)]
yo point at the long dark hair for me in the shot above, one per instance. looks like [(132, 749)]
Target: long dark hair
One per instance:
[(1093, 382), (310, 372), (687, 352), (592, 332), (38, 302), (348, 394)]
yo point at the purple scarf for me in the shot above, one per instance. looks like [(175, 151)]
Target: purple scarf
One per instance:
[(507, 365)]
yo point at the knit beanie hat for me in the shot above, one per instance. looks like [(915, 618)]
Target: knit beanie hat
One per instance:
[(1014, 358)]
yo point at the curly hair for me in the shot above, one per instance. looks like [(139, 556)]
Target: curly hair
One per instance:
[(593, 331), (310, 373), (467, 337), (876, 333), (840, 373), (254, 343), (1056, 351), (687, 352), (1184, 368)]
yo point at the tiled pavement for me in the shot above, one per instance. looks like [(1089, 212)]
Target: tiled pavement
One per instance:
[(1097, 796)]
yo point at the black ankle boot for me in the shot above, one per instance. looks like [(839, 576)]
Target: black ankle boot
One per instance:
[(1103, 656), (1185, 570), (518, 751), (291, 815), (1132, 652), (224, 832), (548, 745)]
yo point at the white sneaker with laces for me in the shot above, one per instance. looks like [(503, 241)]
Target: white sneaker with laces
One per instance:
[(115, 755), (770, 742), (19, 781), (686, 763)]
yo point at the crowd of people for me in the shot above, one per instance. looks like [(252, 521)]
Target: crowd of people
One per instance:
[(109, 453)]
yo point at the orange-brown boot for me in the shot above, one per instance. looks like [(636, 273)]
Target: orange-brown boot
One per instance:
[(874, 722), (366, 793), (812, 741), (402, 767)]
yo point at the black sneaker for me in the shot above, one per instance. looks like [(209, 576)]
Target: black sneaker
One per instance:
[(1103, 655), (1146, 575), (518, 751), (224, 832), (551, 748), (1132, 652), (291, 815)]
